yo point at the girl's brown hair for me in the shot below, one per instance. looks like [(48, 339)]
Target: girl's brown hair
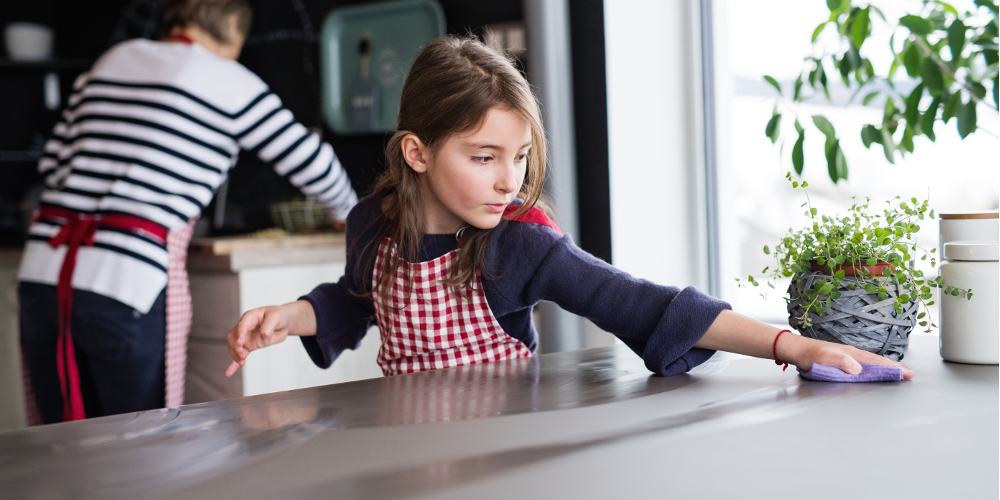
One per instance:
[(451, 87)]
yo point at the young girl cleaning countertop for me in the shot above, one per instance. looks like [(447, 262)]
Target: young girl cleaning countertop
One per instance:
[(451, 252)]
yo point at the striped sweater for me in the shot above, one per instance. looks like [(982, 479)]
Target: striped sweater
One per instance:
[(152, 131)]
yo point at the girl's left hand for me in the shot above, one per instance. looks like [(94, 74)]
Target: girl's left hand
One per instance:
[(803, 352)]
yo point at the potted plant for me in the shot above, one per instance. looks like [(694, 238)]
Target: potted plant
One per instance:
[(854, 277)]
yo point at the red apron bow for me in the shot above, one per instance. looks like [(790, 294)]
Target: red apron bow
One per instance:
[(77, 230)]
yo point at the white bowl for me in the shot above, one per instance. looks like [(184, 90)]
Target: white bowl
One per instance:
[(28, 41)]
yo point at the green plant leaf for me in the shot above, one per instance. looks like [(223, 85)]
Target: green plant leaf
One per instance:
[(951, 107), (956, 40), (977, 90), (859, 30), (832, 147), (870, 288), (798, 159), (916, 24), (845, 69), (841, 167), (773, 129), (906, 143), (824, 126), (826, 289), (870, 134), (818, 30), (931, 74), (929, 117), (967, 119), (767, 251), (773, 82), (912, 111), (912, 57), (868, 98), (834, 4), (888, 145)]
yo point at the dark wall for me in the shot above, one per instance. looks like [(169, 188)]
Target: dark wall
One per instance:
[(282, 50), (81, 33)]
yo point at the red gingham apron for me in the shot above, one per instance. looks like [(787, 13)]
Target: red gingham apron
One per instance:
[(434, 328)]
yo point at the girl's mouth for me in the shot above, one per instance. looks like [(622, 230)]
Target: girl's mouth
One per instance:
[(497, 207)]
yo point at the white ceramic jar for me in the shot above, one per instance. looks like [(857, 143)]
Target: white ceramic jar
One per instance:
[(970, 329), (982, 226)]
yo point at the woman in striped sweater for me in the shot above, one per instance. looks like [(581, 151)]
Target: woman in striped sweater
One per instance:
[(148, 135)]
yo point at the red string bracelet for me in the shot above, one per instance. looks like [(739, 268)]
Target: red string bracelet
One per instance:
[(774, 350)]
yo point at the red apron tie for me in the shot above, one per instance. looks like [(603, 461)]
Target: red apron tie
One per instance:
[(77, 230)]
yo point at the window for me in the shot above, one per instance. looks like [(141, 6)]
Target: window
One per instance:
[(757, 205)]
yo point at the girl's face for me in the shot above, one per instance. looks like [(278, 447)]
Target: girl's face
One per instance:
[(473, 176)]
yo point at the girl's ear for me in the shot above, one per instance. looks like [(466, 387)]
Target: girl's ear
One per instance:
[(415, 153)]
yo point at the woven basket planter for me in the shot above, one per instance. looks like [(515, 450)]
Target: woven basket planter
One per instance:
[(857, 318)]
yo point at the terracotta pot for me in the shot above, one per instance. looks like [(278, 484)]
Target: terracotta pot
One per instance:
[(856, 269)]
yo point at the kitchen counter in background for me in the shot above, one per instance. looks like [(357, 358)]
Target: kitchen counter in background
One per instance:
[(228, 276), (232, 275)]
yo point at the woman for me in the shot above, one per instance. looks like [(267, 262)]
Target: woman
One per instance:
[(148, 135)]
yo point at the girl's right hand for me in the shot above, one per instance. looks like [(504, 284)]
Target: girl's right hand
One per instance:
[(257, 328)]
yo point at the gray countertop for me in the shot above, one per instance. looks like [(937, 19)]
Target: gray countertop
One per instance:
[(586, 424)]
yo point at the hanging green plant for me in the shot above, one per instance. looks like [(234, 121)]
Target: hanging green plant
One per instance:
[(950, 57)]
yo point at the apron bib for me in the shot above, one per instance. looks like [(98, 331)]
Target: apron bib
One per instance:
[(433, 328)]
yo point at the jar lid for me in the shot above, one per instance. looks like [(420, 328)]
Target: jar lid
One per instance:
[(972, 250), (980, 215)]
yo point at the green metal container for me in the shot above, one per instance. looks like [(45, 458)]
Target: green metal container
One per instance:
[(365, 53)]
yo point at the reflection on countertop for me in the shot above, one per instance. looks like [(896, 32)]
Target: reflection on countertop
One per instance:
[(159, 450)]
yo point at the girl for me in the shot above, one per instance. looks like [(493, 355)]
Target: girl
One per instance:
[(450, 254)]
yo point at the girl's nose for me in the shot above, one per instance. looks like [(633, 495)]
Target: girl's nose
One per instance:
[(507, 181)]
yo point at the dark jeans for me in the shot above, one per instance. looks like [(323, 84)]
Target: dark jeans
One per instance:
[(119, 352)]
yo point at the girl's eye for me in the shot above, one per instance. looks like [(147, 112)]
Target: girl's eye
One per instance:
[(481, 159), (522, 157)]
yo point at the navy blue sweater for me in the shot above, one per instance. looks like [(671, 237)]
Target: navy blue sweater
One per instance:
[(530, 263)]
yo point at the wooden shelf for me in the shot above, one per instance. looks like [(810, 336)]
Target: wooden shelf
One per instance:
[(48, 64)]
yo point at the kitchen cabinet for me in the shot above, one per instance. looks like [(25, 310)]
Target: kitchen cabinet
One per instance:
[(230, 276), (11, 395)]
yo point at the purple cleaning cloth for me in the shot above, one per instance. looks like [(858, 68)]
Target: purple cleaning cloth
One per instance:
[(869, 373)]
